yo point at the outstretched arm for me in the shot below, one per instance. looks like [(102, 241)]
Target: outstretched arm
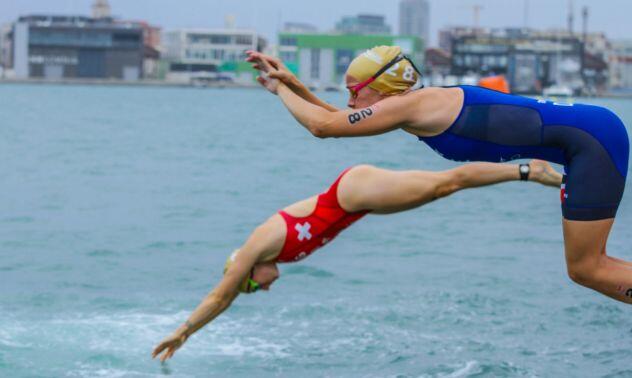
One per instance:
[(287, 77), (264, 244), (387, 115)]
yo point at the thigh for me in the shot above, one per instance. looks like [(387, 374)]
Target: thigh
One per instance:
[(585, 241), (383, 191), (593, 187)]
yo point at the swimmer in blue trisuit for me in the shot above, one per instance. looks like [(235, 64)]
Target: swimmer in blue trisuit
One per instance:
[(468, 123)]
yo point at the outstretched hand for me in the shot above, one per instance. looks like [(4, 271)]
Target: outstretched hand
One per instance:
[(543, 172), (271, 68), (169, 346)]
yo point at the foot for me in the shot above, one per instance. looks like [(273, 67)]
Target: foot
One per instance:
[(542, 172)]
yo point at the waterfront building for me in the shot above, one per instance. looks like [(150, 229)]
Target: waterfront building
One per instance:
[(152, 50), (321, 60), (299, 27), (530, 60), (211, 54), (57, 47), (437, 65), (620, 61), (448, 34), (6, 61), (414, 19), (363, 24)]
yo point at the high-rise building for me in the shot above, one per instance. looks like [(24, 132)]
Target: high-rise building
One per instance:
[(363, 24), (414, 19)]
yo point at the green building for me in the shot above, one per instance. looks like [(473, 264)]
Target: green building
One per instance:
[(321, 60)]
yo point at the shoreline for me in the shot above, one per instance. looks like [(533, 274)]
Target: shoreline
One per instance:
[(123, 83), (223, 85)]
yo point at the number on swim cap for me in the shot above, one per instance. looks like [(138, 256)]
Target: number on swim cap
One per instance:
[(409, 74)]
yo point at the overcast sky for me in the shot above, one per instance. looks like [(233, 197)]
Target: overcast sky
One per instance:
[(266, 16)]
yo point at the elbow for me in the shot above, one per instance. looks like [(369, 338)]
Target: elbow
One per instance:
[(320, 130)]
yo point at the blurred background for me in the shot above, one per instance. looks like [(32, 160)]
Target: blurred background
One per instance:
[(561, 47)]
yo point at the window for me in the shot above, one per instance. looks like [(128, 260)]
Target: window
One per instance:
[(315, 64), (343, 58), (220, 39), (288, 56), (288, 41), (243, 40)]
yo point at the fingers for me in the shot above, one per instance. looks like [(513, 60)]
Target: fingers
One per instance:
[(158, 350)]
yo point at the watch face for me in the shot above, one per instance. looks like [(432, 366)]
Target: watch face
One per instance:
[(524, 169)]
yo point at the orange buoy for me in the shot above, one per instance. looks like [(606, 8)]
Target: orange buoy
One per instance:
[(497, 83)]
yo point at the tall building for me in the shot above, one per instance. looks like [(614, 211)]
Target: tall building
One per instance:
[(414, 19), (321, 60), (206, 53), (56, 47), (363, 24)]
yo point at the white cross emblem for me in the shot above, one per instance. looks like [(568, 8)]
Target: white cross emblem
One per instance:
[(303, 231)]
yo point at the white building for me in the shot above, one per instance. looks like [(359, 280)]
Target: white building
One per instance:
[(414, 19), (211, 54), (621, 64)]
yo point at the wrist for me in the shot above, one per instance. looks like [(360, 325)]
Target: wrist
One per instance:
[(282, 87), (524, 170), (185, 329)]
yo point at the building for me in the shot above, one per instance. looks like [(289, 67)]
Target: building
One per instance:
[(203, 54), (299, 27), (6, 61), (321, 60), (152, 50), (363, 24), (437, 66), (620, 62), (530, 60), (447, 35), (56, 47), (414, 19)]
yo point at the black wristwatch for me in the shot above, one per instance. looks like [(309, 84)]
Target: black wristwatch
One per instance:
[(524, 172)]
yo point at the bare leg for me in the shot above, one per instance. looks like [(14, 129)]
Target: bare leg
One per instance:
[(589, 265), (384, 191)]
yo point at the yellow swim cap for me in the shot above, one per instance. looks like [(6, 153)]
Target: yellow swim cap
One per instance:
[(244, 286), (396, 79)]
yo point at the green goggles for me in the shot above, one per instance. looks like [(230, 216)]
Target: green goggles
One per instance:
[(252, 286)]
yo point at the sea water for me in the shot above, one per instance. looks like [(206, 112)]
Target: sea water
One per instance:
[(119, 205)]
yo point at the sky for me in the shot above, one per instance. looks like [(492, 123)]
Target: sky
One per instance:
[(267, 17)]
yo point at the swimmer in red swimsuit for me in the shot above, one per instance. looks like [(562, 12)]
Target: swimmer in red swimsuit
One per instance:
[(298, 230)]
